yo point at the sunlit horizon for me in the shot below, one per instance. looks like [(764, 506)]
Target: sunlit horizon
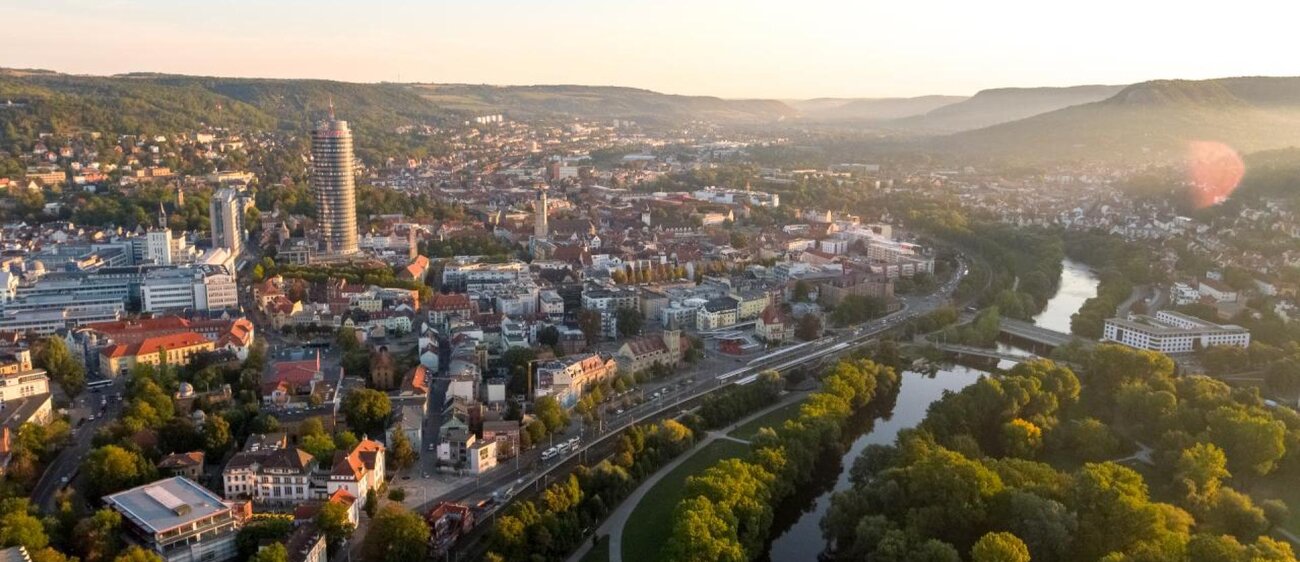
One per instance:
[(728, 49)]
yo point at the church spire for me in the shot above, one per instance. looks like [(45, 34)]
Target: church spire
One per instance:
[(162, 216)]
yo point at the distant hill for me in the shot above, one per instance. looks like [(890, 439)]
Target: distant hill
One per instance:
[(599, 102), (1150, 121), (870, 109), (47, 101), (1002, 105)]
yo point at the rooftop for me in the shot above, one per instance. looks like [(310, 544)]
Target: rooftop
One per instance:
[(166, 504)]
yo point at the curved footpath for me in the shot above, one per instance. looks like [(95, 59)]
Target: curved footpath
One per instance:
[(613, 525)]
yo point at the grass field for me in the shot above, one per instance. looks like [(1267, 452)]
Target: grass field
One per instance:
[(1277, 488), (771, 419), (600, 552), (651, 521)]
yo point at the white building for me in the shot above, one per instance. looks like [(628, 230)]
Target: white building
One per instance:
[(158, 246), (1173, 332)]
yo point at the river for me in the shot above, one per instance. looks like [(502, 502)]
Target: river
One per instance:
[(1078, 284), (796, 526)]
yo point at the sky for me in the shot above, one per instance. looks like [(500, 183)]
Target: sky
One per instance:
[(733, 49)]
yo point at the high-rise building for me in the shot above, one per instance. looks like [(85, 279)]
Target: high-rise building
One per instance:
[(540, 228), (227, 214), (333, 181)]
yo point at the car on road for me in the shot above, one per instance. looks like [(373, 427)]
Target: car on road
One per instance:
[(433, 447), (618, 412)]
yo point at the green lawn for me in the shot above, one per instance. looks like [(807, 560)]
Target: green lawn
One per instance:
[(771, 419), (600, 552), (1274, 487), (651, 521)]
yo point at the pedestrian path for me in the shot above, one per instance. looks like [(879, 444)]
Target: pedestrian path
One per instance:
[(613, 525)]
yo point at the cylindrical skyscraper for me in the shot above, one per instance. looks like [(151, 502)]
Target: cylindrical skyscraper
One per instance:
[(334, 182)]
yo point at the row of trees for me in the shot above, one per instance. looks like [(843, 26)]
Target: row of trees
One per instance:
[(726, 511), (551, 526), (1025, 459)]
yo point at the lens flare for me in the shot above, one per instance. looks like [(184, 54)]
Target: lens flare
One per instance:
[(1214, 170)]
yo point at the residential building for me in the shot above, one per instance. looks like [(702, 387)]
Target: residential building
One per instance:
[(359, 470), (716, 313), (189, 465), (567, 377), (279, 476)]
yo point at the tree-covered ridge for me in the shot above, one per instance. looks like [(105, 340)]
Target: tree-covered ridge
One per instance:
[(1033, 457)]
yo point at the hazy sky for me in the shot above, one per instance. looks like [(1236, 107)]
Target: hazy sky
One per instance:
[(741, 48)]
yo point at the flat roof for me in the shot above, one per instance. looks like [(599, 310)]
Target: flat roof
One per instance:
[(167, 503)]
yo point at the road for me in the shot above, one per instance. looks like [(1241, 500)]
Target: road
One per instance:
[(69, 459)]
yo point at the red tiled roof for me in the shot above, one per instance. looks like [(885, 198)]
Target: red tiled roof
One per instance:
[(152, 345)]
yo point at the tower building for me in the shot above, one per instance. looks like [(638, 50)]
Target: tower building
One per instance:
[(541, 231), (226, 212), (334, 183)]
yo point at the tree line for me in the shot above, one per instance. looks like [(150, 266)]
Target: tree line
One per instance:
[(1034, 463), (726, 512)]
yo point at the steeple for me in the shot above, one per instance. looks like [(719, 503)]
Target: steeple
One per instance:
[(162, 216)]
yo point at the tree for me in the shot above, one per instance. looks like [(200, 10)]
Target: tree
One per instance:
[(111, 468), (367, 411), (332, 520), (629, 321), (999, 547), (275, 552), (58, 362), (98, 537), (589, 321), (372, 502), (404, 455), (1254, 443), (1199, 471), (137, 554), (396, 534), (347, 340), (800, 291), (549, 336), (20, 528), (216, 436), (809, 328), (320, 445), (548, 410), (701, 534)]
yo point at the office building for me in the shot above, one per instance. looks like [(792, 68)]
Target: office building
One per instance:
[(179, 520), (227, 217), (1172, 332), (333, 182)]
